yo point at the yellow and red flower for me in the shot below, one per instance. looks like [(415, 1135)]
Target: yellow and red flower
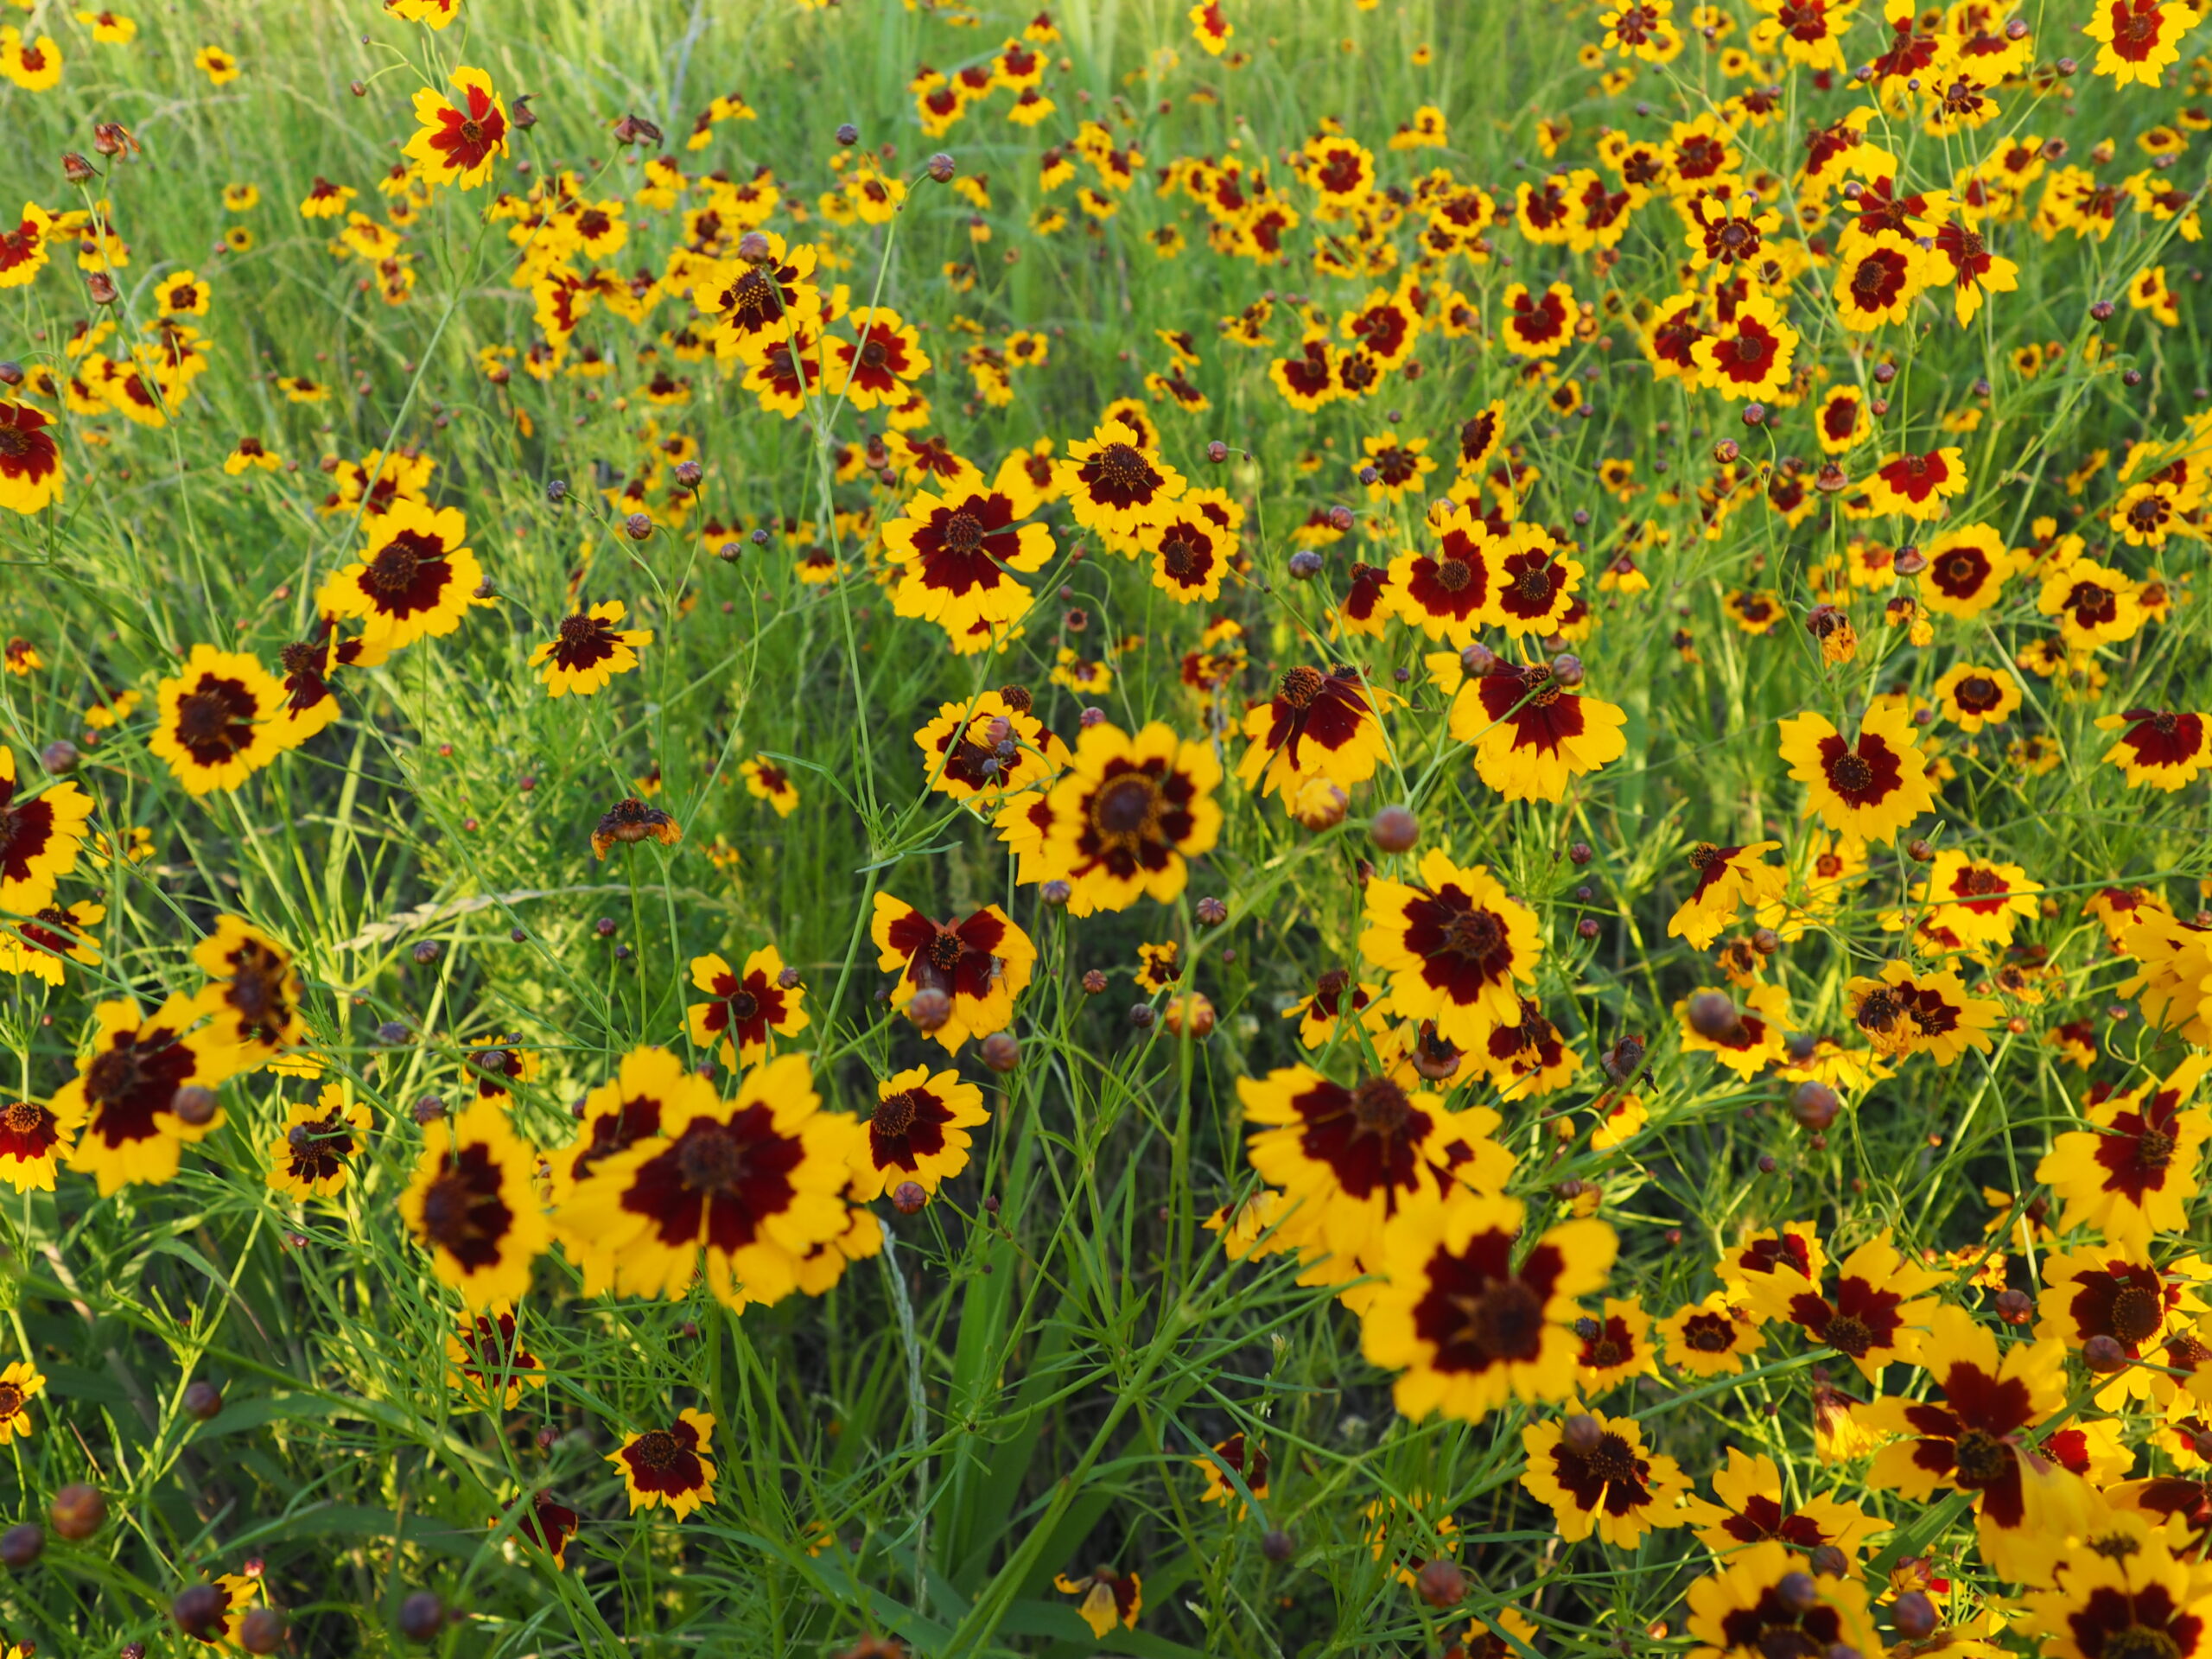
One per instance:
[(981, 965), (457, 141)]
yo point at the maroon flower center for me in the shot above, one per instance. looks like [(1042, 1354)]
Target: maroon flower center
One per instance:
[(1452, 575), (2135, 1314), (393, 572), (1847, 1334), (22, 1117), (743, 1005), (1535, 585), (1849, 771), (873, 354), (579, 630), (1474, 934), (964, 532), (657, 1451), (1124, 806), (1979, 1458), (712, 1160), (894, 1116)]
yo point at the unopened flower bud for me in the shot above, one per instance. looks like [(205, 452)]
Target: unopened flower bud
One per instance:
[(1394, 829), (929, 1009)]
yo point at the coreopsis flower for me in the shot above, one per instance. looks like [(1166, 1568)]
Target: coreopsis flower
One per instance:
[(1643, 28), (918, 1132), (1751, 354), (670, 1468), (2111, 1290), (1445, 595), (983, 964), (308, 1160), (755, 302), (1456, 948), (988, 748), (2139, 40), (253, 1000), (1869, 788), (1614, 1487), (1533, 584), (1974, 1439), (1793, 1244), (1538, 326), (2159, 746), (1335, 997), (471, 1206), (1317, 725), (1753, 1041), (1193, 545), (1878, 279), (2095, 604), (33, 1140), (1973, 696), (1114, 483), (588, 650), (2135, 1597), (873, 368), (1349, 1161), (1875, 1313), (1973, 270), (1807, 32), (34, 64), (767, 781), (1752, 1509), (548, 1525), (1106, 1598), (1966, 571), (741, 1190), (1235, 1456), (1531, 735), (1709, 1339), (485, 1359), (742, 1008), (1742, 1611), (953, 552), (1728, 878), (630, 821), (219, 65), (1128, 813), (121, 1104), (1977, 900), (30, 460), (1467, 1327), (1914, 1012), (456, 141), (415, 579), (40, 838), (38, 944), (24, 247), (1614, 1345), (2133, 1172), (19, 1384), (1528, 1058), (1842, 421), (1917, 486)]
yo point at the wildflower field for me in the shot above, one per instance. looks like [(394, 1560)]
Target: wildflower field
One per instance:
[(1366, 827)]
